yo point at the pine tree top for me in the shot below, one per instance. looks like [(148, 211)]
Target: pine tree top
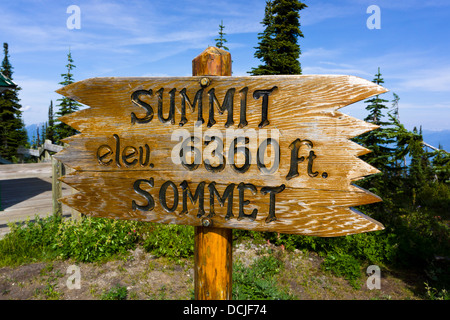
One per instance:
[(66, 105), (376, 104), (220, 42), (12, 133), (278, 47), (6, 65), (68, 77)]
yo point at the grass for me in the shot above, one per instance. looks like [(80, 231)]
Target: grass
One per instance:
[(117, 292), (172, 241), (259, 280), (98, 239), (343, 265), (85, 240)]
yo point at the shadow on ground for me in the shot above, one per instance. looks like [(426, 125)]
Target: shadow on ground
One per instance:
[(14, 191)]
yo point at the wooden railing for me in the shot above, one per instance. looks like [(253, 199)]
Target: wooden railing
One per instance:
[(42, 152)]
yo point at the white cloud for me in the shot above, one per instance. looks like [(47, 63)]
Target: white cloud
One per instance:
[(35, 98), (317, 12), (335, 68), (320, 53), (433, 80), (424, 106)]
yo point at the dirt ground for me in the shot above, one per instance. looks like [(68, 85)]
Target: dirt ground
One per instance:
[(148, 277)]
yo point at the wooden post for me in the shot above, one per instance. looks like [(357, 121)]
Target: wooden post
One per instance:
[(213, 246), (56, 186)]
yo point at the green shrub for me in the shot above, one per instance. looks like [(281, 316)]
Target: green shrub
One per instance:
[(172, 241), (117, 292), (258, 281), (435, 294), (29, 241), (87, 240), (343, 265), (94, 239)]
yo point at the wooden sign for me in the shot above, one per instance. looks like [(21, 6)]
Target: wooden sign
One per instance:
[(266, 153)]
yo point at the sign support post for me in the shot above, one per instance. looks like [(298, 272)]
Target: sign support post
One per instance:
[(130, 157), (213, 246)]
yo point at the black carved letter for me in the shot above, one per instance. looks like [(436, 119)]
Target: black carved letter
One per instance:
[(162, 196), (243, 110), (126, 156), (265, 104), (150, 202), (199, 195), (273, 191), (117, 149), (260, 156), (234, 149), (311, 158), (295, 160), (226, 105), (138, 102), (185, 149), (143, 162), (197, 100), (241, 187), (101, 156), (170, 117), (222, 163), (228, 193)]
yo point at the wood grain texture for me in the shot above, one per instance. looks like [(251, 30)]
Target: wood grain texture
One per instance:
[(212, 61), (339, 160), (298, 107), (295, 96), (213, 247), (213, 264), (304, 211)]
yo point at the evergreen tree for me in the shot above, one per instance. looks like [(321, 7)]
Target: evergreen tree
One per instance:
[(12, 131), (402, 137), (278, 48), (43, 132), (220, 42), (265, 50), (376, 104), (394, 112), (417, 168), (66, 105), (38, 139), (380, 141), (441, 165), (50, 131)]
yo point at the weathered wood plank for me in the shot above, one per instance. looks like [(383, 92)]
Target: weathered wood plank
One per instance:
[(56, 187), (335, 165), (213, 247), (131, 138), (110, 99), (119, 182), (308, 220), (295, 208)]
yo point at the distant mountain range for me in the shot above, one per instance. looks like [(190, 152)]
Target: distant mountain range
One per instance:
[(433, 138), (32, 130)]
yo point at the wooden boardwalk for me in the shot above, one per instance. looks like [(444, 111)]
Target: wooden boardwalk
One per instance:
[(26, 191)]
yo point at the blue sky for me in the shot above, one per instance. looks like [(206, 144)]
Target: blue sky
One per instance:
[(160, 38)]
